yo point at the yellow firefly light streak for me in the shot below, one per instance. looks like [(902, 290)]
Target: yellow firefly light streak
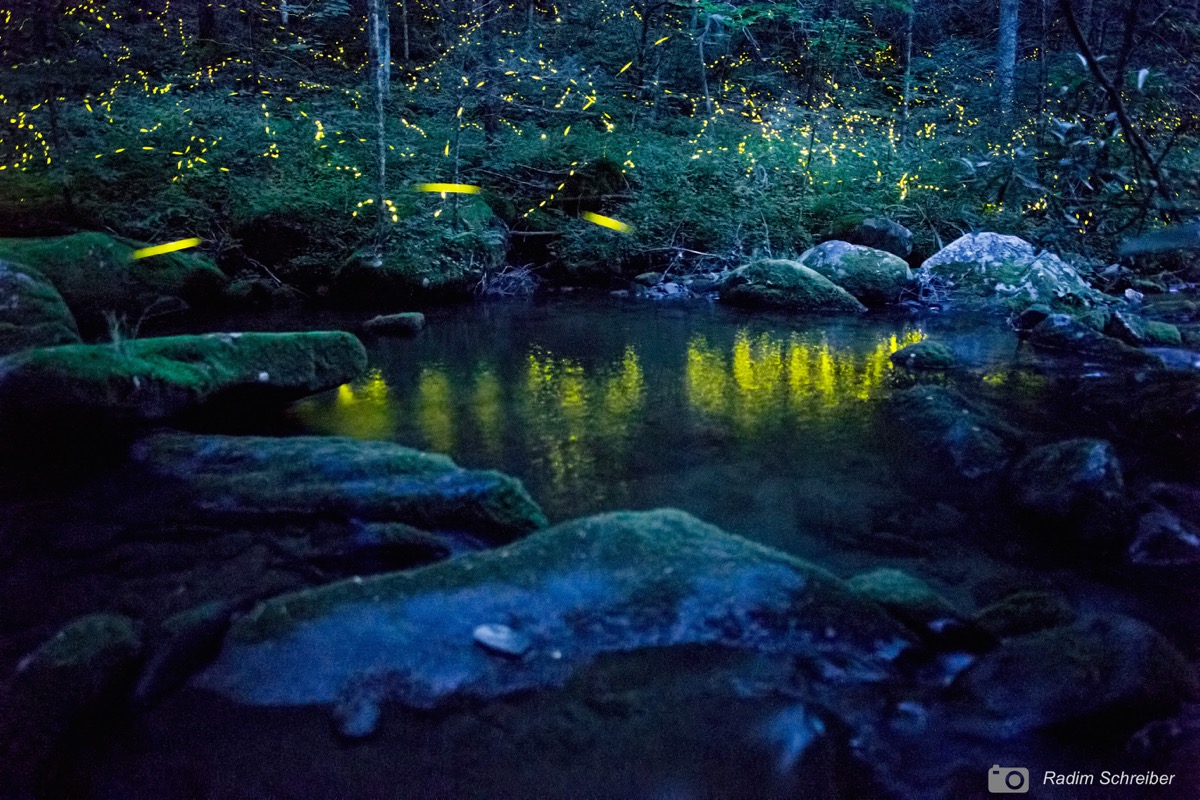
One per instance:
[(171, 247)]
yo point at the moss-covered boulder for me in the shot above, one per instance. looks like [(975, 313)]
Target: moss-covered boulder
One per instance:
[(96, 273), (1067, 478), (960, 434), (85, 668), (149, 380), (1107, 672), (32, 313), (401, 275), (785, 285), (406, 323), (924, 355), (874, 277), (882, 234), (241, 479), (1064, 333), (614, 582), (1007, 273)]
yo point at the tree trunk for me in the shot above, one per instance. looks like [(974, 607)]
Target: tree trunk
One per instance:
[(908, 49), (404, 26), (380, 71), (1006, 58), (206, 20)]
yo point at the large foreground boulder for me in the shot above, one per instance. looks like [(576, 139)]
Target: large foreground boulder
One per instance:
[(96, 274), (1007, 273), (614, 582), (786, 285), (150, 380), (874, 277), (32, 313), (246, 478)]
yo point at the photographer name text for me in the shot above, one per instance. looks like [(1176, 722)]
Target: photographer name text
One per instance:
[(1107, 778)]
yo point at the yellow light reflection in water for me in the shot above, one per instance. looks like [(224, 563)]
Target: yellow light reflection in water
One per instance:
[(489, 412), (365, 409), (435, 412), (762, 373)]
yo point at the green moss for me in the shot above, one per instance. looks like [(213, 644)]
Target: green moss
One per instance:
[(787, 285), (95, 273), (151, 379), (1163, 333), (1026, 612), (32, 313), (874, 277), (924, 355)]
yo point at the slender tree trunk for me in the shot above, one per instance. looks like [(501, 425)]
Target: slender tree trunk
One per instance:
[(908, 50), (404, 27), (206, 19), (380, 71), (1006, 58)]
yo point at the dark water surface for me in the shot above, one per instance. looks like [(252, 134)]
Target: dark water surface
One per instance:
[(771, 427)]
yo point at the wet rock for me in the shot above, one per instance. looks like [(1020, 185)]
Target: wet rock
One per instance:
[(1064, 333), (785, 285), (502, 639), (882, 234), (1029, 319), (917, 605), (1164, 540), (1110, 673), (1163, 333), (667, 290), (183, 644), (1065, 479), (648, 279), (613, 582), (874, 277), (95, 273), (150, 380), (1126, 326), (84, 669), (1157, 409), (1006, 272), (924, 355), (240, 479), (32, 313), (408, 323), (1025, 612), (955, 430)]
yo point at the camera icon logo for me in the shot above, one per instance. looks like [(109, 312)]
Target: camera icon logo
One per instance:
[(1008, 780)]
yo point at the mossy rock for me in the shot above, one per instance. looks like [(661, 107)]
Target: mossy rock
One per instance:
[(1025, 612), (32, 313), (786, 285), (874, 277), (85, 669), (240, 479), (1108, 673), (149, 380), (1064, 479), (1163, 334), (1007, 273), (924, 355), (608, 583), (407, 323), (95, 273), (1064, 333), (915, 603)]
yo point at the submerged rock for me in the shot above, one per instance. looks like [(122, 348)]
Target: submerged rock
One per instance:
[(883, 234), (924, 355), (785, 285), (1063, 479), (943, 421), (613, 582), (149, 380), (1007, 272), (874, 277), (96, 273), (32, 313), (244, 478), (1157, 409), (407, 323), (1108, 672)]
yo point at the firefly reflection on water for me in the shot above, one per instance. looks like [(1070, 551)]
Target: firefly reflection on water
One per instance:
[(576, 429)]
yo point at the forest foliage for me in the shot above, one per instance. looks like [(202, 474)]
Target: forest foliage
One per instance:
[(716, 130)]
